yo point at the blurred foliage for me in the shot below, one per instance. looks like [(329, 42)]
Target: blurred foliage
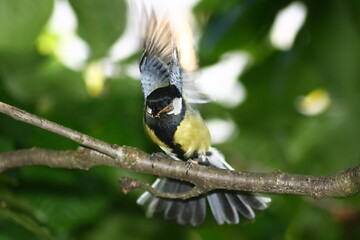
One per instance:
[(100, 23), (20, 27), (43, 203)]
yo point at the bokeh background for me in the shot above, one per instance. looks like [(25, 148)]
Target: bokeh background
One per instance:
[(285, 76)]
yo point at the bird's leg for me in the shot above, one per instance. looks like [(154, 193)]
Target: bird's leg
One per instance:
[(202, 159)]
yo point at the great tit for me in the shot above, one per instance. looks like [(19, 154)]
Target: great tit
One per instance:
[(177, 127)]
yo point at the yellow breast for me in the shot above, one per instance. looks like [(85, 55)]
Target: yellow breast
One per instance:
[(193, 135)]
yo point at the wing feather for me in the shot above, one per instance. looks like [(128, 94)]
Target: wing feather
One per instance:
[(159, 64)]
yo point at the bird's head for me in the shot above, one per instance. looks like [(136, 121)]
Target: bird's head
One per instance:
[(164, 101)]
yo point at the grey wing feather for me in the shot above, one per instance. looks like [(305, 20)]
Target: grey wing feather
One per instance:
[(159, 64)]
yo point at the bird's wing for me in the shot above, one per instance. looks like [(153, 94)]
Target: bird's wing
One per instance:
[(159, 64)]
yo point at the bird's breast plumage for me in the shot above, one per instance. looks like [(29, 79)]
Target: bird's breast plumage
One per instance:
[(184, 135), (193, 135)]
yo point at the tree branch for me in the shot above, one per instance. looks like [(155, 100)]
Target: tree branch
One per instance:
[(342, 184), (128, 184)]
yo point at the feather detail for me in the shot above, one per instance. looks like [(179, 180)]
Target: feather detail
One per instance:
[(159, 63), (224, 205)]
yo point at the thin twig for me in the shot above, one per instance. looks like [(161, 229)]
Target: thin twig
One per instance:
[(128, 184)]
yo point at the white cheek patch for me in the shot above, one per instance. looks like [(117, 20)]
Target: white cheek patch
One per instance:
[(176, 106), (148, 110)]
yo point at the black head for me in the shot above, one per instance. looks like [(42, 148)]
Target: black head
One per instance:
[(165, 100)]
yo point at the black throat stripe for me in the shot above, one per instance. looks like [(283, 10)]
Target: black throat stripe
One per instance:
[(165, 127)]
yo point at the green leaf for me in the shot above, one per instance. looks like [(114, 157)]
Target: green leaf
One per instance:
[(101, 22), (21, 21), (26, 222), (236, 25), (18, 212)]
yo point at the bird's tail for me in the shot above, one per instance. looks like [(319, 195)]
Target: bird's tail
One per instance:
[(225, 205)]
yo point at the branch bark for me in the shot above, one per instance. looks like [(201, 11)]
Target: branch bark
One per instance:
[(98, 153)]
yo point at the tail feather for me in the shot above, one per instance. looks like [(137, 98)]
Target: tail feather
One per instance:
[(192, 211), (199, 212), (164, 204), (214, 203), (256, 202), (242, 207), (224, 205), (174, 210), (222, 210), (187, 212)]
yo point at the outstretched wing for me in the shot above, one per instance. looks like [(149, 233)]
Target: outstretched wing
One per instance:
[(159, 64)]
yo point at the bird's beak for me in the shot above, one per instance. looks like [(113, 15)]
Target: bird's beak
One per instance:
[(165, 109)]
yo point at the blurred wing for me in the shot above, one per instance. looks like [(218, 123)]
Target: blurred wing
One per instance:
[(159, 64), (192, 92), (185, 44), (166, 50)]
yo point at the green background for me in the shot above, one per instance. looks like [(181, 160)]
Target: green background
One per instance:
[(45, 203)]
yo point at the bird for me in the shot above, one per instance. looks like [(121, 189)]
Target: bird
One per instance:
[(176, 126)]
